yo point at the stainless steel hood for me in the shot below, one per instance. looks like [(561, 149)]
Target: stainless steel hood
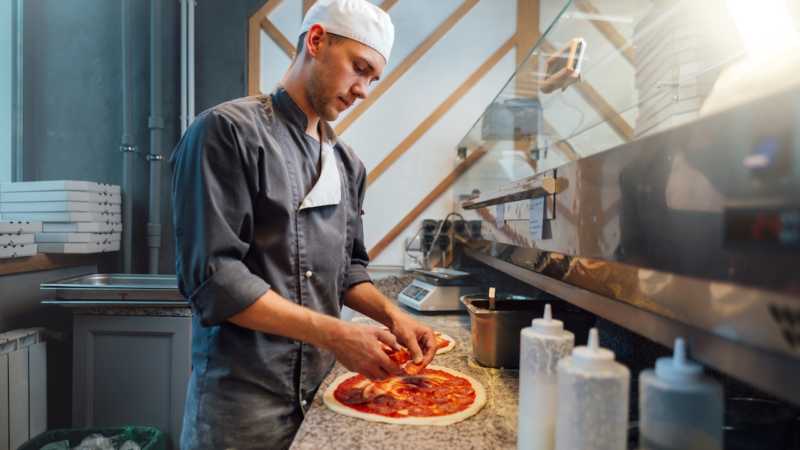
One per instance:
[(693, 231)]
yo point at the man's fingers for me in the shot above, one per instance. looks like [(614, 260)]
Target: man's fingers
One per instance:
[(388, 338), (386, 364), (429, 341), (413, 347), (374, 375)]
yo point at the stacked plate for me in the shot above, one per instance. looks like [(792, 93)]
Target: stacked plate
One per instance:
[(76, 216), (17, 238)]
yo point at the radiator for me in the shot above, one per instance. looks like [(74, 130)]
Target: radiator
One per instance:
[(23, 386)]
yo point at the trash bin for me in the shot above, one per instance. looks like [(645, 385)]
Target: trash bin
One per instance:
[(148, 438)]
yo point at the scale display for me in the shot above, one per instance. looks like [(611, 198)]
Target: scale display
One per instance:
[(415, 292), (443, 296)]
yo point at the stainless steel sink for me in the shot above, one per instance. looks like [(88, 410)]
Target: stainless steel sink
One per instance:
[(118, 289)]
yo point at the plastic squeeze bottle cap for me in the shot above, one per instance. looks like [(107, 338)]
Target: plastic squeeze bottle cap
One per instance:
[(678, 368), (547, 325), (592, 355)]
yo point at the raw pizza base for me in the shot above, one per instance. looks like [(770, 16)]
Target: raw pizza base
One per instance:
[(451, 343), (480, 400)]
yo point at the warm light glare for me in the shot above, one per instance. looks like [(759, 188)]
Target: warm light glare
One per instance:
[(766, 26)]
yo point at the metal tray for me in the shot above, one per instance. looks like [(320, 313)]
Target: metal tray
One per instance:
[(495, 332), (117, 288)]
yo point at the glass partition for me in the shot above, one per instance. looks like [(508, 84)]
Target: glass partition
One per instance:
[(607, 72)]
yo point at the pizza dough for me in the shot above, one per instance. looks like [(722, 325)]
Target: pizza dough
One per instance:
[(451, 343), (443, 387)]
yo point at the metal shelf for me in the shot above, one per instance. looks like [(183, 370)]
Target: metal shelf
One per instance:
[(774, 373)]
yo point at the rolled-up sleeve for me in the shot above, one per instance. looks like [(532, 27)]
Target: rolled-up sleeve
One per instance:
[(213, 219), (359, 259)]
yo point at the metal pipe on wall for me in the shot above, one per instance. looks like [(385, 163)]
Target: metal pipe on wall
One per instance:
[(126, 146), (156, 125), (187, 63), (184, 117), (190, 62)]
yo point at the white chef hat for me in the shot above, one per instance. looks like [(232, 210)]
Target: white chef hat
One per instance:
[(359, 20)]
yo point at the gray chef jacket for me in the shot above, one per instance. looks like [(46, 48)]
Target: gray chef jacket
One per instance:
[(258, 205)]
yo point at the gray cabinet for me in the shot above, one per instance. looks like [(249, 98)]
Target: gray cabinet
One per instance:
[(131, 370)]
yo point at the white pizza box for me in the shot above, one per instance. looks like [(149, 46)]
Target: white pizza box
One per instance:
[(51, 185), (112, 246), (19, 227), (59, 185), (80, 227), (75, 237), (111, 189), (18, 251), (60, 196), (84, 247), (57, 216), (59, 207), (16, 239)]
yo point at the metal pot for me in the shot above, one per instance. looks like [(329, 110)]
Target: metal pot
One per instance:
[(495, 332)]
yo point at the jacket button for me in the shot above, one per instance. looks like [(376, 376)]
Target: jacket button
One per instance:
[(309, 273), (303, 403)]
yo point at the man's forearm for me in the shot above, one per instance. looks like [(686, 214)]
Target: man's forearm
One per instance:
[(368, 300), (274, 314)]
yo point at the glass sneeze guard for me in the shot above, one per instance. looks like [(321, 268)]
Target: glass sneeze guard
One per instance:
[(646, 66)]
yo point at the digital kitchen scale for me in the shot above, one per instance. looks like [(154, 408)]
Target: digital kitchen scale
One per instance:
[(439, 289)]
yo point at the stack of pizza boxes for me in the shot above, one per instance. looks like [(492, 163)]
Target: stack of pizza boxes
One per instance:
[(75, 216), (17, 238)]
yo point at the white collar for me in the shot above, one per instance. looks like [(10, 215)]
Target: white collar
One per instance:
[(328, 188)]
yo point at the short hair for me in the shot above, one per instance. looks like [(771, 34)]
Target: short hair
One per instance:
[(301, 42)]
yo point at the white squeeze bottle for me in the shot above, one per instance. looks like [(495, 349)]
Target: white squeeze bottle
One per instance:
[(679, 407), (592, 400), (541, 346)]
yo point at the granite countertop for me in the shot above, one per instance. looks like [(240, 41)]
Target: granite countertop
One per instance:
[(494, 427)]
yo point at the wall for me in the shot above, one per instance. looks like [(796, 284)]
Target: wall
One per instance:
[(6, 80), (221, 41), (402, 108), (23, 310), (72, 99)]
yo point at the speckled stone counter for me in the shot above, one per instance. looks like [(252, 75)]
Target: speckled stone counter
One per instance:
[(494, 427)]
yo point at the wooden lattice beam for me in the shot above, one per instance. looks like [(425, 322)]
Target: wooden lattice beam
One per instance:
[(387, 4), (599, 103), (528, 12), (307, 4), (608, 112), (254, 46), (441, 110), (608, 30), (383, 86), (426, 202), (561, 144), (279, 38)]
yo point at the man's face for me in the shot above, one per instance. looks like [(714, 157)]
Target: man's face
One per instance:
[(341, 72)]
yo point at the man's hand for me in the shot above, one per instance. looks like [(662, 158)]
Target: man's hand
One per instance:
[(360, 349), (416, 337)]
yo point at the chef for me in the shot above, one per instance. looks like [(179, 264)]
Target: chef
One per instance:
[(270, 244)]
